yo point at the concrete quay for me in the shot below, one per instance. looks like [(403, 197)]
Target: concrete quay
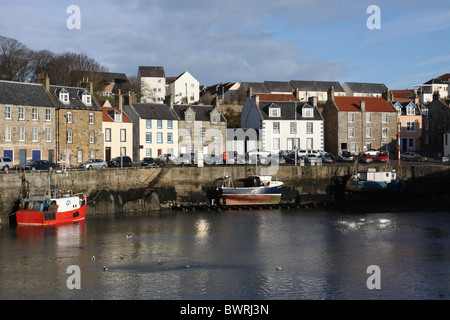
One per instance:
[(112, 191)]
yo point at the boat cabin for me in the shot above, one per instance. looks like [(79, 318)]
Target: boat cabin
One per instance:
[(373, 175)]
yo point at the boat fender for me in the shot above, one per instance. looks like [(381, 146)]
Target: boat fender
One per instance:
[(76, 214)]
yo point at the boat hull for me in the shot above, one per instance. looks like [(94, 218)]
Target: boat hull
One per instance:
[(37, 217), (251, 196), (393, 187)]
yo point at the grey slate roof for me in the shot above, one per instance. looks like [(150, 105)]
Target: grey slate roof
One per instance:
[(151, 72), (287, 110), (366, 87), (154, 111), (303, 85), (24, 94), (279, 86), (257, 87), (202, 113), (74, 99), (404, 104)]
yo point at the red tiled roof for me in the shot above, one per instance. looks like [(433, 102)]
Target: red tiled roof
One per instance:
[(373, 104), (276, 97), (107, 118), (445, 77), (401, 94)]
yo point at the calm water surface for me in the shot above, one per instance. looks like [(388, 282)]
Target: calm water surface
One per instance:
[(231, 255)]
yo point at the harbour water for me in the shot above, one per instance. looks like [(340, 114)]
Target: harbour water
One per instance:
[(234, 255)]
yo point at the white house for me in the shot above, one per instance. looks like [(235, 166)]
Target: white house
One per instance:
[(118, 133), (185, 85), (284, 124), (155, 129), (426, 90), (152, 84)]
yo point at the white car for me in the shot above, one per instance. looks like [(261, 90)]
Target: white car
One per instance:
[(304, 152), (94, 163), (5, 163), (261, 153)]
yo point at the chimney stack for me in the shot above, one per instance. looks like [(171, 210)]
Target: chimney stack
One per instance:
[(363, 106), (313, 101), (331, 94), (249, 92)]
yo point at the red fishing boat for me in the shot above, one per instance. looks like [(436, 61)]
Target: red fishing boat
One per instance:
[(59, 208)]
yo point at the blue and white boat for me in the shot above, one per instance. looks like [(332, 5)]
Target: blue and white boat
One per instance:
[(257, 190), (373, 182)]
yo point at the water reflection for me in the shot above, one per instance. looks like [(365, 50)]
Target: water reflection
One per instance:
[(234, 255)]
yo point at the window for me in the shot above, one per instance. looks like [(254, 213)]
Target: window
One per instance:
[(368, 132), (69, 117), (274, 112), (7, 133), (34, 134), (169, 124), (425, 112), (189, 117), (368, 117), (64, 96), (21, 134), (108, 134), (410, 111), (351, 117), (148, 124), (69, 136), (188, 133), (80, 156), (148, 152), (92, 154), (170, 137), (7, 112), (123, 135), (216, 132), (48, 134), (34, 114), (293, 127), (351, 132), (91, 118), (159, 124), (21, 113), (48, 114), (159, 137), (384, 132), (276, 127), (411, 143), (91, 137), (148, 137), (86, 98), (215, 119), (384, 117), (276, 144), (203, 132), (309, 127), (353, 147), (410, 126), (117, 116), (307, 112)]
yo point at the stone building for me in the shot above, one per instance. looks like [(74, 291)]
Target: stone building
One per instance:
[(27, 122), (357, 124)]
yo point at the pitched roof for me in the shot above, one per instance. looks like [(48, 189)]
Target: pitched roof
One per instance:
[(151, 72), (403, 104), (257, 87), (366, 87), (202, 113), (287, 110), (154, 111), (276, 97), (24, 94), (108, 115), (303, 85), (353, 104), (435, 81), (445, 77), (75, 101), (279, 86)]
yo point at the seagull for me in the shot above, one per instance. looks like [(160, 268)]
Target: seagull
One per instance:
[(105, 268), (187, 266), (121, 257), (93, 258), (160, 262), (128, 236), (279, 268)]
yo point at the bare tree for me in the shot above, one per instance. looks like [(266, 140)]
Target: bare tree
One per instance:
[(14, 60)]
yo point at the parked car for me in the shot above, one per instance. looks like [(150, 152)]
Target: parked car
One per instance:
[(162, 159), (328, 158), (279, 159), (36, 165), (371, 152), (125, 161), (412, 156), (211, 159), (304, 152), (258, 152), (148, 162), (242, 159), (365, 158), (382, 157), (93, 163), (311, 158), (184, 158), (5, 163), (346, 156)]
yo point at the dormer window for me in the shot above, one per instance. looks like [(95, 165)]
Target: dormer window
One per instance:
[(307, 112), (86, 98), (275, 112), (189, 117), (64, 96), (410, 111), (215, 118), (117, 116)]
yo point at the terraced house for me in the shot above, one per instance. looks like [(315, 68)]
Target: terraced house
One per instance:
[(79, 135), (27, 122), (359, 123)]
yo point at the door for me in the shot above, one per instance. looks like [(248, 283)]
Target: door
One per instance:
[(159, 152), (50, 156), (404, 145), (22, 155), (108, 153)]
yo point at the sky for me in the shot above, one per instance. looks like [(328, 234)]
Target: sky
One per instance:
[(246, 40)]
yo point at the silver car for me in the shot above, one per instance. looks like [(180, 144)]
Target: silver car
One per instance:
[(94, 164)]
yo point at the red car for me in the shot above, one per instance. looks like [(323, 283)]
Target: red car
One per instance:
[(365, 158), (382, 157)]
